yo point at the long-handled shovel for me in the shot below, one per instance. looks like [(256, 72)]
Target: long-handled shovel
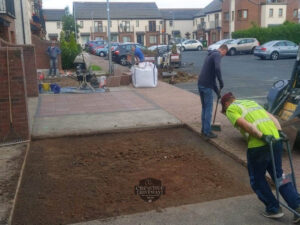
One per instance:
[(216, 126)]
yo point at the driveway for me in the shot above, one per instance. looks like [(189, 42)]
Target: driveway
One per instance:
[(244, 75)]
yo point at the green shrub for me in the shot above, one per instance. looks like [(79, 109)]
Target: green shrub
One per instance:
[(95, 68), (69, 51), (287, 31)]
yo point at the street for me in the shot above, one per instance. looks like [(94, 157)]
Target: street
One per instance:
[(244, 75)]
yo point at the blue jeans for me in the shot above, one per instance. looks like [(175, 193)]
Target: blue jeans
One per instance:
[(53, 65), (206, 96), (259, 161)]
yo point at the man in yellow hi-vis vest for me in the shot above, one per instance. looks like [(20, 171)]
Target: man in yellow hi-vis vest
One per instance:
[(259, 128)]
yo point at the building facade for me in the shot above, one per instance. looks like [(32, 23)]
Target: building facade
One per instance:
[(53, 23), (242, 14), (208, 23), (130, 22), (178, 22)]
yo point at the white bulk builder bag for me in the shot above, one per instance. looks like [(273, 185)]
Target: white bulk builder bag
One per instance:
[(144, 75)]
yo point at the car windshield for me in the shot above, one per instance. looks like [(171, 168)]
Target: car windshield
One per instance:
[(221, 42)]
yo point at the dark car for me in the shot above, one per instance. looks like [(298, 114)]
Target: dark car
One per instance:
[(123, 50)]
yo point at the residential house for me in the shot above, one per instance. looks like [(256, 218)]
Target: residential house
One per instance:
[(242, 14), (178, 22), (53, 21), (208, 22), (293, 11), (139, 22)]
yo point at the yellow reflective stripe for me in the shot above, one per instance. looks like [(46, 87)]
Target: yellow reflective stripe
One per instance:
[(257, 122), (245, 110)]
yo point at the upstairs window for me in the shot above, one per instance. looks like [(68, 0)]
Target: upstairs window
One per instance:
[(280, 12), (58, 25), (271, 12)]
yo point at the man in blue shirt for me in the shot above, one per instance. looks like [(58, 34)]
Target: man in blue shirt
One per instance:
[(138, 53), (53, 51)]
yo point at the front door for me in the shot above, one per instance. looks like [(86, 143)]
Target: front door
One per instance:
[(140, 39)]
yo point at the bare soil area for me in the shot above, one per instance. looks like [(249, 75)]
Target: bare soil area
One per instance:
[(68, 180)]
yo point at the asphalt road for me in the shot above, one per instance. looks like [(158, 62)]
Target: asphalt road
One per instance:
[(244, 75)]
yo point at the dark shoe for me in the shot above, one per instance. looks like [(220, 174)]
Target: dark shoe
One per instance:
[(297, 218), (274, 215), (210, 135)]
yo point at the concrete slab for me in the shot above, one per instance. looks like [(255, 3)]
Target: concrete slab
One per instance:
[(100, 123), (242, 210)]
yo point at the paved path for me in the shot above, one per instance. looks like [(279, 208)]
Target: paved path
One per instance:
[(242, 210)]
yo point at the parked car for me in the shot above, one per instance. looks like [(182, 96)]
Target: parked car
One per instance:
[(94, 43), (123, 50), (242, 45), (218, 44), (190, 45), (103, 50), (277, 49)]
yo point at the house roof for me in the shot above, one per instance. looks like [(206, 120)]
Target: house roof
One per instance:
[(214, 6), (179, 14), (118, 10), (53, 14)]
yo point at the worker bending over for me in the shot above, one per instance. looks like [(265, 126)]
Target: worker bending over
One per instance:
[(137, 55), (261, 128)]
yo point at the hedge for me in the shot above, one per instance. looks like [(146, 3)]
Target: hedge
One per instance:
[(287, 31)]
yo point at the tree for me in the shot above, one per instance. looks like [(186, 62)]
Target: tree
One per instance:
[(69, 50), (69, 24)]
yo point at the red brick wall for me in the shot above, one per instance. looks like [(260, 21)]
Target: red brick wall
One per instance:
[(292, 5), (148, 34), (30, 67), (254, 13), (42, 59), (8, 33), (131, 35), (18, 95), (225, 9)]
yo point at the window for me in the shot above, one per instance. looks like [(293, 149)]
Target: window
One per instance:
[(243, 14), (126, 39), (81, 24), (58, 24), (152, 39), (202, 20), (137, 23), (279, 44), (295, 13), (98, 26), (114, 37), (271, 12), (152, 26), (226, 16), (280, 12), (171, 23), (214, 37), (208, 17), (232, 16), (288, 43)]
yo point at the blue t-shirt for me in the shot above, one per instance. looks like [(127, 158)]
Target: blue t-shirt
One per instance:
[(138, 53)]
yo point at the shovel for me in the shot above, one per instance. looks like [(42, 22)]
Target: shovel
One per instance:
[(216, 126)]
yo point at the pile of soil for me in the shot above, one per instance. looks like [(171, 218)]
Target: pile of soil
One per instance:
[(180, 77), (74, 179)]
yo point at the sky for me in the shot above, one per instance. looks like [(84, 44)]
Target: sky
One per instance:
[(61, 4)]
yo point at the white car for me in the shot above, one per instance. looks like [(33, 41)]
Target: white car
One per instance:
[(190, 45), (218, 44)]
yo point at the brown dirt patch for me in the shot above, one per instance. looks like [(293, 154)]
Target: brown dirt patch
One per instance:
[(69, 180), (63, 81)]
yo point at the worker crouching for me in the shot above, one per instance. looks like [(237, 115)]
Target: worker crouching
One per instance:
[(260, 129)]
